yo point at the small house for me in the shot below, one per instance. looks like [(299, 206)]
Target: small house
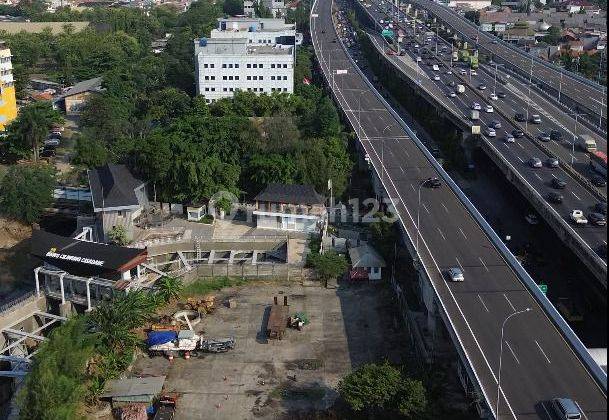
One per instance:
[(290, 207), (118, 197), (74, 99), (366, 263)]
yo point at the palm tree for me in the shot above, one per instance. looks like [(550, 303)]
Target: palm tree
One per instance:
[(30, 127), (169, 288)]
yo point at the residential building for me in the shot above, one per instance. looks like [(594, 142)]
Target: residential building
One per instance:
[(246, 54), (366, 263), (8, 103), (118, 198), (277, 8), (469, 4), (290, 207), (74, 99)]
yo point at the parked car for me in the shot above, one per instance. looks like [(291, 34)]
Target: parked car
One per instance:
[(597, 219), (455, 274), (51, 142), (552, 162), (558, 183), (543, 136), (535, 162), (555, 197)]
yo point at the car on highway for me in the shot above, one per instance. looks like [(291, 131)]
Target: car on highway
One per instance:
[(434, 182), (555, 135), (436, 78), (493, 96), (509, 138), (597, 219), (601, 208), (552, 162), (482, 86), (566, 409), (490, 131), (543, 136), (558, 183), (451, 83), (520, 117), (531, 219), (517, 133), (462, 72), (501, 94), (452, 94), (577, 217), (419, 59), (535, 119), (455, 274), (495, 124), (449, 72), (535, 162), (473, 72), (598, 181), (555, 197), (488, 109), (476, 106)]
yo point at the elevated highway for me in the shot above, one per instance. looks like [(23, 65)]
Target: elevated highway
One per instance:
[(579, 93), (512, 158), (542, 357)]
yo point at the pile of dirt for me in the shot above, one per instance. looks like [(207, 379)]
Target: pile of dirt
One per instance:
[(12, 232)]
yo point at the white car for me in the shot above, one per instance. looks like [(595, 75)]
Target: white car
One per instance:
[(476, 106), (489, 109), (449, 72), (508, 138), (473, 73), (419, 59), (493, 96), (462, 72), (489, 131), (452, 94), (436, 78), (455, 274)]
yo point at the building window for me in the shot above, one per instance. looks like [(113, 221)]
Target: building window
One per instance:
[(236, 77), (249, 89), (285, 89), (285, 66), (205, 65), (212, 65), (225, 89), (237, 66), (206, 77), (213, 78), (230, 89), (230, 77), (206, 89), (223, 77), (285, 77), (248, 65), (261, 66), (230, 66), (213, 89), (249, 77), (272, 66)]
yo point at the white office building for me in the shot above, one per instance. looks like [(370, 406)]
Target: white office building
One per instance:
[(255, 55)]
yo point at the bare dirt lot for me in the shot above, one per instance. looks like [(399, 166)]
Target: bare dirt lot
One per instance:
[(267, 379)]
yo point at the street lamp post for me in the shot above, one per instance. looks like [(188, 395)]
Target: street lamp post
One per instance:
[(383, 155), (526, 123), (421, 184), (501, 355)]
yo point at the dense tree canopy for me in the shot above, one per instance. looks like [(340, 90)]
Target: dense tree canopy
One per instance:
[(26, 190)]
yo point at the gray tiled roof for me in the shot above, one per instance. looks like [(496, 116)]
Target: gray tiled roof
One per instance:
[(113, 186), (290, 194)]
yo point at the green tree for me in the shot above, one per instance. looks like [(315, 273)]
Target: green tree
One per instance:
[(118, 235), (169, 288), (26, 190), (282, 134), (328, 265), (370, 386), (328, 121), (410, 398), (27, 132), (233, 7), (90, 152), (553, 36)]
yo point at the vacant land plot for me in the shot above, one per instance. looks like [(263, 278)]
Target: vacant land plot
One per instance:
[(264, 378)]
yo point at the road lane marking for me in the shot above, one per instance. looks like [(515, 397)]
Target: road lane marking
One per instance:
[(512, 350), (483, 304), (519, 158), (459, 262), (425, 207), (543, 405), (538, 177), (575, 195), (520, 145), (401, 169), (542, 352), (482, 261), (510, 303), (441, 234), (580, 409), (462, 233), (445, 209)]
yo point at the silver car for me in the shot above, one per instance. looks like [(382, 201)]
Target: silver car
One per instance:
[(455, 274), (535, 163)]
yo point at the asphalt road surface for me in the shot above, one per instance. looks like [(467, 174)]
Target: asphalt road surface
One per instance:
[(519, 153), (537, 362)]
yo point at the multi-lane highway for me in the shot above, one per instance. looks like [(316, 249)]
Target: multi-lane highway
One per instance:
[(586, 94), (537, 364), (522, 150)]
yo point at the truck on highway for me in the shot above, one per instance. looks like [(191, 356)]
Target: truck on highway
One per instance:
[(460, 88), (475, 115), (587, 143), (577, 217), (598, 162)]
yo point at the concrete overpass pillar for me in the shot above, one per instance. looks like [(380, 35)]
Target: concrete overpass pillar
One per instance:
[(89, 293), (36, 272)]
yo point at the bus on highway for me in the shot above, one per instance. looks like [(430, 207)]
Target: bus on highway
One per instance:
[(598, 162)]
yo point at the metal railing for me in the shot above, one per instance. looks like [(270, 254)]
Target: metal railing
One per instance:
[(528, 282), (7, 306)]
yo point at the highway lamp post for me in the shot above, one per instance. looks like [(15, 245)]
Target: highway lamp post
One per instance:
[(359, 111), (421, 184), (383, 157), (560, 86), (495, 84), (501, 357), (574, 139), (526, 123)]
